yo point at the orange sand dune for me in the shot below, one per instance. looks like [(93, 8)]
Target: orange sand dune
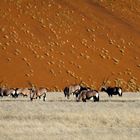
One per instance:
[(54, 43)]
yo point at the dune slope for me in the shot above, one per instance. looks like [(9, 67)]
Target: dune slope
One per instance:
[(55, 43)]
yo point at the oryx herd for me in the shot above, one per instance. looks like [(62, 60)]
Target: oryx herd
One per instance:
[(86, 93), (81, 92), (33, 92)]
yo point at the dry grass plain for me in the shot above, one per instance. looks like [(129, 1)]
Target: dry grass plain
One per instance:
[(112, 118)]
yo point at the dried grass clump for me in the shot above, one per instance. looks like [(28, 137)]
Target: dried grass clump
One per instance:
[(132, 85), (37, 56), (81, 54), (17, 52), (105, 54), (7, 44), (71, 73), (52, 71), (25, 59), (9, 59), (47, 54), (6, 36), (116, 61), (4, 48), (122, 51), (111, 41), (118, 46), (87, 57), (27, 75), (120, 82), (62, 53), (3, 29), (79, 66)]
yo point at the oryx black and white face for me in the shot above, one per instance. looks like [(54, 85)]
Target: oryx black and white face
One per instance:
[(103, 88)]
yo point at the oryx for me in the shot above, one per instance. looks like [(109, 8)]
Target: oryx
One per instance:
[(71, 89), (23, 91), (38, 93), (111, 90), (89, 94)]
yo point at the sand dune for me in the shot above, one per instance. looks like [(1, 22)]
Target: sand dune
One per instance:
[(55, 43)]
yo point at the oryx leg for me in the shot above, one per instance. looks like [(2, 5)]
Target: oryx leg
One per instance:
[(83, 99), (44, 97), (32, 94)]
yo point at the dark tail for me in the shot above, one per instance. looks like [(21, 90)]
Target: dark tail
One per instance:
[(66, 91)]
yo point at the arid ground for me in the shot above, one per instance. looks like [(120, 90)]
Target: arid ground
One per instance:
[(116, 118), (54, 43)]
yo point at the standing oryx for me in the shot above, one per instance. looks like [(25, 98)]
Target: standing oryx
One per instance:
[(23, 91), (1, 91), (7, 92), (88, 95), (2, 88), (4, 91), (71, 89), (111, 90), (38, 93), (77, 92)]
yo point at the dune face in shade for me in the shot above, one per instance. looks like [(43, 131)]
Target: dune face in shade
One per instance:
[(57, 43)]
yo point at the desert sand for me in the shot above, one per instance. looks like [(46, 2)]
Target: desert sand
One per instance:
[(55, 43)]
